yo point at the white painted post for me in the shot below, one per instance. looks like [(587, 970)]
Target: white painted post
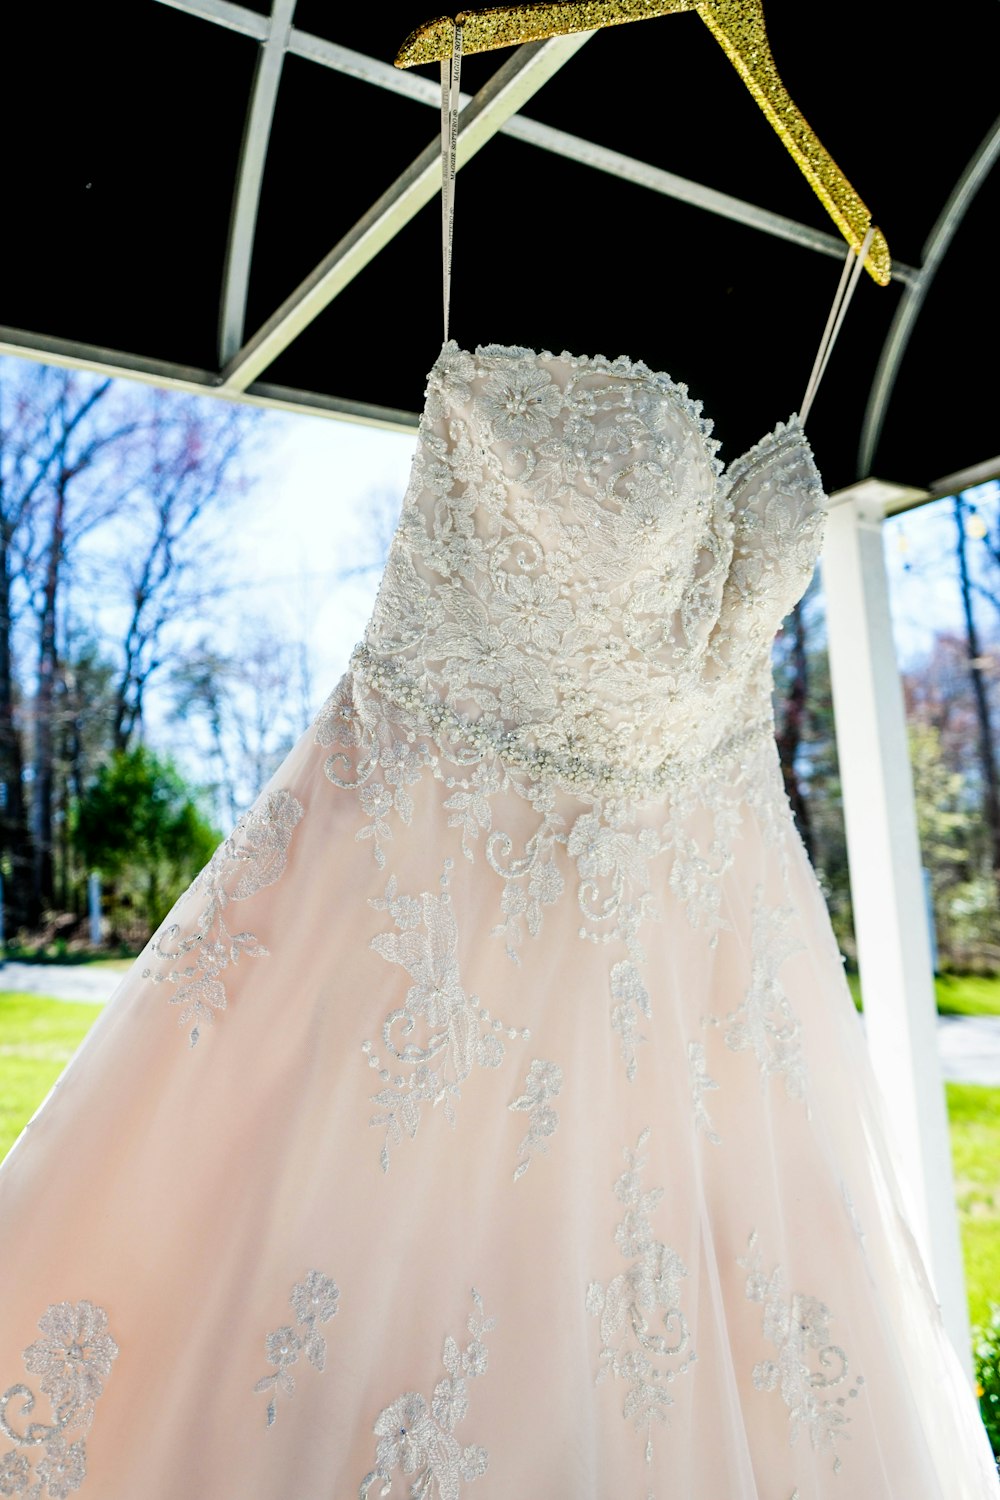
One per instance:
[(94, 908), (887, 888)]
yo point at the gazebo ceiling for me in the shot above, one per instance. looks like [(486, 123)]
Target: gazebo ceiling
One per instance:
[(176, 170)]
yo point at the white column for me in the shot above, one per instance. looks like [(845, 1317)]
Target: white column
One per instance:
[(890, 915)]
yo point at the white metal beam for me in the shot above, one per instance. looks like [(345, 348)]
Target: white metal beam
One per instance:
[(912, 300), (224, 13), (964, 479), (887, 892), (588, 153), (521, 76), (72, 355), (250, 174), (574, 148)]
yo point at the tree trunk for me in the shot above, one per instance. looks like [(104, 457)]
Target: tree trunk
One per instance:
[(15, 843), (45, 705), (987, 755), (792, 725)]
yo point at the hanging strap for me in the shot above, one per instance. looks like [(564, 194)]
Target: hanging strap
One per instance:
[(845, 291), (451, 69)]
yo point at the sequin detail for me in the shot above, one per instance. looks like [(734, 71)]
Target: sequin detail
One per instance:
[(542, 1084), (631, 1351), (314, 1300), (73, 1358), (252, 858), (571, 638), (571, 567), (455, 1032), (765, 1023), (417, 1436), (808, 1363), (630, 999)]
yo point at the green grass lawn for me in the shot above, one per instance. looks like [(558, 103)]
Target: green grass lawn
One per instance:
[(957, 994), (974, 1114), (38, 1037)]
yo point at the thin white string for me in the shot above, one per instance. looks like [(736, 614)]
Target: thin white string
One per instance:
[(451, 69), (849, 278)]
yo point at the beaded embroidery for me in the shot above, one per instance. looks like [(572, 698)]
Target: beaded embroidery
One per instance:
[(542, 1084), (314, 1300), (73, 1358), (417, 1436), (572, 638), (631, 1351), (796, 1324), (252, 858), (701, 1083), (765, 1023), (456, 1032)]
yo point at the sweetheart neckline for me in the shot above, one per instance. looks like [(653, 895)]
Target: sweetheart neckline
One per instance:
[(629, 368)]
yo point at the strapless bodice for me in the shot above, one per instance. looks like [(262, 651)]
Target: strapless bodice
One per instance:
[(576, 580)]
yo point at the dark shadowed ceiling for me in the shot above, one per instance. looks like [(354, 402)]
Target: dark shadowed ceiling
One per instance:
[(123, 126)]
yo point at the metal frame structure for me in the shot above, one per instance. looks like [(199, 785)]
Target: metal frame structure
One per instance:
[(882, 844), (243, 360)]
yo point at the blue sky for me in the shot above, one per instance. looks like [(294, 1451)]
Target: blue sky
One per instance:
[(325, 492)]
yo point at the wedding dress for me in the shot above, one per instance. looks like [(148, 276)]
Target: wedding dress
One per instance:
[(491, 1116)]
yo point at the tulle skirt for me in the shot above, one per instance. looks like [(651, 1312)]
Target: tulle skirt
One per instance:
[(347, 1192)]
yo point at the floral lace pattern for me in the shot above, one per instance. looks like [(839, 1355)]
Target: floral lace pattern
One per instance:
[(571, 637), (252, 858), (572, 569), (765, 1023), (701, 1083), (456, 1031), (542, 1084), (798, 1326), (417, 1436), (630, 999), (647, 1361), (73, 1358), (313, 1300)]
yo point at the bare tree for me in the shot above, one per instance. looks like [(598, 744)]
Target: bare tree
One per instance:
[(103, 481), (185, 463), (987, 752), (792, 714), (244, 703), (50, 435)]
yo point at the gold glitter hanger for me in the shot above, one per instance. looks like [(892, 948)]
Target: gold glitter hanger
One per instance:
[(738, 27)]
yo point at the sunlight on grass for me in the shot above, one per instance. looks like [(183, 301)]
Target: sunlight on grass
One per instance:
[(974, 1113), (37, 1039), (957, 994), (968, 995)]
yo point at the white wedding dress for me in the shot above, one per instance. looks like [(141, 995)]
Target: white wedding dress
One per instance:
[(492, 1111), (491, 1116)]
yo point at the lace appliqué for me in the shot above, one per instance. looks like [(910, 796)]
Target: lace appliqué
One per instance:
[(418, 1437), (543, 1083), (630, 1000), (73, 1359), (701, 1083), (601, 851), (456, 1032), (647, 1361), (314, 1300), (799, 1328), (252, 858), (571, 635), (765, 1023)]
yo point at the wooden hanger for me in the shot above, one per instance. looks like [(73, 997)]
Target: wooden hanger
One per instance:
[(738, 27)]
